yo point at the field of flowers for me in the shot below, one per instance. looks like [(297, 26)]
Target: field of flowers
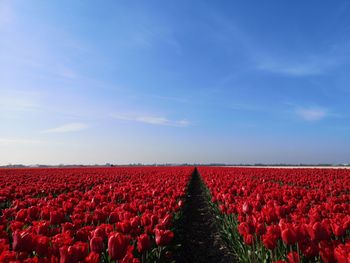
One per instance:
[(283, 215), (89, 215), (129, 214)]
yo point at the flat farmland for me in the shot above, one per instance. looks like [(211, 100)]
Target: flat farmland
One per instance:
[(175, 214)]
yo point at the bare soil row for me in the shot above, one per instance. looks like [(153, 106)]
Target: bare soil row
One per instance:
[(198, 229)]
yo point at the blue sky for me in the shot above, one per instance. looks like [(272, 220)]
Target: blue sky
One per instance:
[(174, 81)]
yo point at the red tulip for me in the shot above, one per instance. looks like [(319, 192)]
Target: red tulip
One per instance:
[(247, 208), (163, 237), (93, 257), (260, 229), (117, 246), (143, 243), (154, 220), (4, 246), (293, 257), (326, 251), (269, 241), (113, 217), (22, 241), (68, 207), (68, 254), (248, 239), (42, 245), (55, 217), (338, 230), (42, 228), (342, 253), (308, 249), (96, 244), (317, 232), (166, 221), (135, 222), (99, 232), (125, 226), (245, 228), (82, 250), (8, 256), (146, 219), (67, 226), (16, 225), (21, 215), (288, 236), (129, 257)]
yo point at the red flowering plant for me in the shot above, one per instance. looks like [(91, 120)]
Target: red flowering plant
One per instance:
[(283, 215), (92, 215)]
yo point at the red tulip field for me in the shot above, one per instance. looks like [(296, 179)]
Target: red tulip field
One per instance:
[(284, 215), (89, 215), (174, 214)]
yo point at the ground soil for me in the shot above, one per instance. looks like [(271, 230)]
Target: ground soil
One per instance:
[(199, 231)]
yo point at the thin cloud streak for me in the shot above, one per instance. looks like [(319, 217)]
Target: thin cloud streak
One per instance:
[(298, 65), (312, 114), (292, 69), (16, 103), (69, 127), (265, 59), (153, 120)]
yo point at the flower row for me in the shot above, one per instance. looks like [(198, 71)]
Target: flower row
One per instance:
[(89, 214), (282, 215)]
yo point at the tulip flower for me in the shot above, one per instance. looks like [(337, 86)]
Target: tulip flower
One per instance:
[(22, 241), (93, 257), (21, 215), (288, 236), (117, 246), (55, 218), (293, 257), (163, 237), (247, 208), (143, 243), (269, 241), (96, 244), (82, 250), (68, 254), (42, 245), (342, 253)]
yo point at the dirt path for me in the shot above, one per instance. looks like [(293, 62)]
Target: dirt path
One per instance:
[(199, 234)]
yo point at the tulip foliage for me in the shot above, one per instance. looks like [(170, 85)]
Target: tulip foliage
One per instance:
[(283, 215), (69, 215)]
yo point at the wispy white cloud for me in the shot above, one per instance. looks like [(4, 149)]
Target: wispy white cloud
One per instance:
[(294, 62), (298, 64), (19, 101), (153, 120), (312, 114), (305, 68), (9, 141), (17, 105), (69, 127)]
